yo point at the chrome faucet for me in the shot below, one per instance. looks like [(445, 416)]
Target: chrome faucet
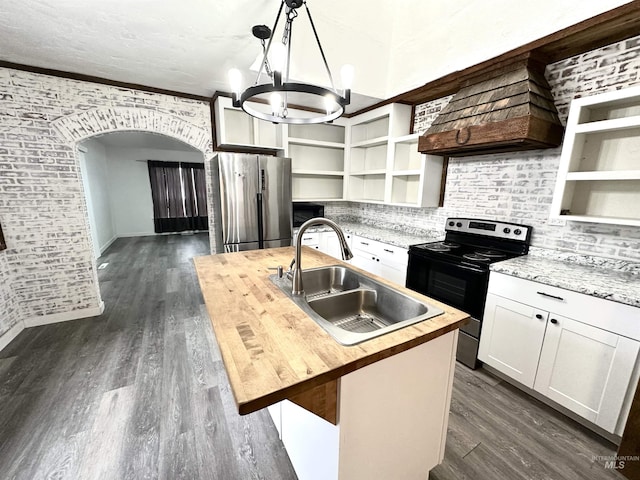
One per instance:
[(296, 269)]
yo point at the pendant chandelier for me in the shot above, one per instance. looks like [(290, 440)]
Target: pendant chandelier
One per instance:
[(272, 101)]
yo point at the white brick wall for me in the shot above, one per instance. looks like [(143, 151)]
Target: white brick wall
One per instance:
[(10, 313), (519, 187), (49, 266)]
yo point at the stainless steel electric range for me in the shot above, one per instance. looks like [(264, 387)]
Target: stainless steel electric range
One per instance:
[(456, 271)]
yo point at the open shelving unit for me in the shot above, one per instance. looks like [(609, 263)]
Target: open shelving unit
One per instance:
[(369, 134), (368, 158), (235, 129), (599, 174), (384, 163), (318, 160), (415, 178)]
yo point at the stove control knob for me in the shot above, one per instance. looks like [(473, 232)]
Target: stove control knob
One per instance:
[(517, 231), (459, 224), (451, 224), (507, 230)]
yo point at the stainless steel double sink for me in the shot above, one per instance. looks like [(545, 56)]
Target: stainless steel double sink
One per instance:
[(353, 307)]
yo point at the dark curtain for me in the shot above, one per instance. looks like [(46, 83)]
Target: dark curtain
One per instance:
[(175, 191), (195, 195), (3, 244)]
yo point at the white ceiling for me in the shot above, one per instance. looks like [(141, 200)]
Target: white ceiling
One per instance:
[(189, 45)]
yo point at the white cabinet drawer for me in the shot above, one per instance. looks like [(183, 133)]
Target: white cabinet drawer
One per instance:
[(605, 314), (379, 258), (364, 245), (311, 239), (391, 254)]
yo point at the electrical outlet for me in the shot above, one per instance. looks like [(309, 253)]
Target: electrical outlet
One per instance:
[(556, 222)]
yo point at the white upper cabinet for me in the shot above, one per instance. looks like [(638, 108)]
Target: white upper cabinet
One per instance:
[(599, 174)]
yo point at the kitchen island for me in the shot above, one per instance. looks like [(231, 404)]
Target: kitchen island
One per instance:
[(379, 408)]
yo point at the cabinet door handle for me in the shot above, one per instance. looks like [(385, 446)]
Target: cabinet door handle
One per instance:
[(307, 238), (373, 258), (554, 321), (387, 250), (377, 259), (538, 316), (550, 296), (364, 243)]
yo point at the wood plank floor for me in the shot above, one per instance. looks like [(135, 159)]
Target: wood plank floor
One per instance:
[(137, 393), (140, 393)]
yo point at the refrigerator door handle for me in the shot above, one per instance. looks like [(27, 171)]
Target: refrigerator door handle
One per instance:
[(263, 186), (260, 221)]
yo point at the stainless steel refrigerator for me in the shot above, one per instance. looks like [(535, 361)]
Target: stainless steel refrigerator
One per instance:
[(254, 208)]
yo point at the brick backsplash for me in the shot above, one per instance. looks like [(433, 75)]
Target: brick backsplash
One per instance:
[(518, 187), (48, 267)]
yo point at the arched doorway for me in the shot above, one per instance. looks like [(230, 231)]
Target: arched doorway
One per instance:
[(98, 122)]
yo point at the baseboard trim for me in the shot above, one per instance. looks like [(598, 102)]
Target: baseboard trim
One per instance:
[(108, 244), (137, 234), (64, 316), (11, 334)]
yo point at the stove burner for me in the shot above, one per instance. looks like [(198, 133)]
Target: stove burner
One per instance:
[(492, 254), (441, 246), (437, 248), (476, 257)]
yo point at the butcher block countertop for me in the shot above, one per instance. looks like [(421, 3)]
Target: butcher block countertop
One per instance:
[(271, 349)]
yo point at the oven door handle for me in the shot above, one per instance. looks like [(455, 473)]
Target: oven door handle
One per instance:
[(471, 269), (450, 264)]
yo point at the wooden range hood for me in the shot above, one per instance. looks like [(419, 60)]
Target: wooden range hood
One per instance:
[(507, 109)]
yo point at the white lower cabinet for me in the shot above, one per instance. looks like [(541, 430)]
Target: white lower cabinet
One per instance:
[(330, 244), (326, 242), (387, 261), (312, 443), (383, 259), (275, 411), (586, 363), (512, 335), (311, 239), (392, 419), (586, 369)]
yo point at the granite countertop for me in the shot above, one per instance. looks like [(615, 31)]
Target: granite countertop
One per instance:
[(271, 349), (617, 281), (399, 238)]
